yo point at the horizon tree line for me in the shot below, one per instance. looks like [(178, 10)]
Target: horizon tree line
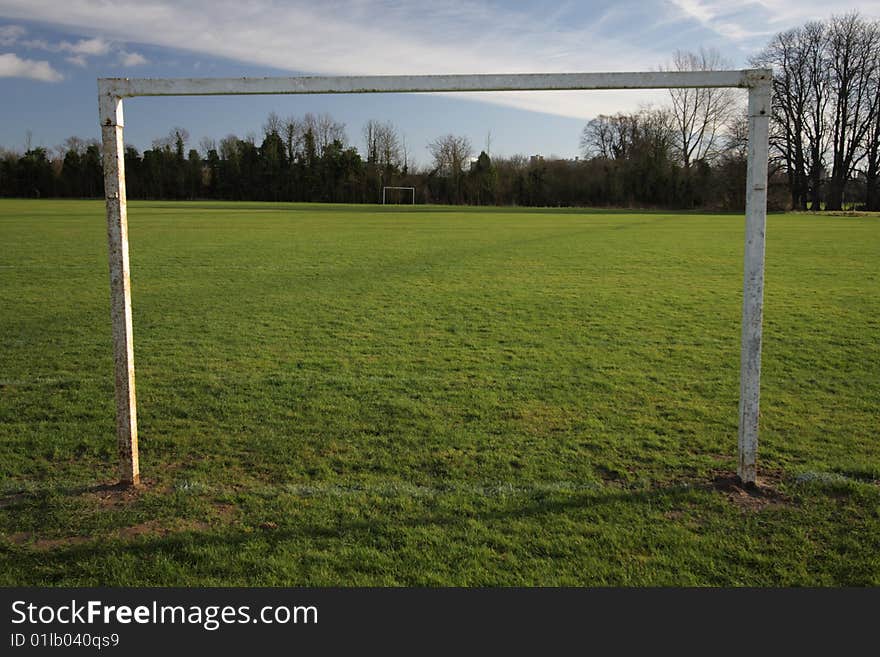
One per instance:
[(638, 169)]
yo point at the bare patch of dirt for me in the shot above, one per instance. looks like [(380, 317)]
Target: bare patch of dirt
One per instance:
[(161, 528), (54, 543), (611, 475), (765, 494), (105, 495), (226, 512), (32, 540), (148, 529), (116, 495), (19, 537)]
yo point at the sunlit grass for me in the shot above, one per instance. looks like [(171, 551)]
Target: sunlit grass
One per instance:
[(334, 396)]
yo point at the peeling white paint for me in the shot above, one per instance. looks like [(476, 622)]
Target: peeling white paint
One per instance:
[(753, 280), (120, 288)]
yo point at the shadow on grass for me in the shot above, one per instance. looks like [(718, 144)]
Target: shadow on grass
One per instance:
[(120, 492), (234, 538)]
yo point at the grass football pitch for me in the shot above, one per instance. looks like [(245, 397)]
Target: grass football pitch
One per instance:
[(332, 395)]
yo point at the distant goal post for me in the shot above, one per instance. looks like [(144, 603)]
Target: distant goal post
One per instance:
[(399, 189)]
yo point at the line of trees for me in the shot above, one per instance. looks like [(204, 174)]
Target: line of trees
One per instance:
[(630, 159), (638, 167), (689, 153), (826, 111)]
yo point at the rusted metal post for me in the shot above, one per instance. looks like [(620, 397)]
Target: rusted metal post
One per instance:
[(753, 275), (110, 109)]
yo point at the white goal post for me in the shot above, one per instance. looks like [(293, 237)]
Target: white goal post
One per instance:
[(112, 91), (412, 189)]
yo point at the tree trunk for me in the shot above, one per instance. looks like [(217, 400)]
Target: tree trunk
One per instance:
[(815, 196), (872, 193), (803, 188), (793, 188), (834, 199), (815, 188)]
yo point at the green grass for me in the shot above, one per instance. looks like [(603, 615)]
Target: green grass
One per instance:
[(338, 395)]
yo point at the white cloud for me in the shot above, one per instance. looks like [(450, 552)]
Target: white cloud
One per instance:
[(82, 48), (10, 34), (361, 37), (12, 66), (90, 47), (131, 58), (78, 52)]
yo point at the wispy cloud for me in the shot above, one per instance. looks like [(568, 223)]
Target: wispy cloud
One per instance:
[(10, 34), (91, 47), (78, 52), (785, 11), (82, 48), (131, 58), (13, 66), (758, 19), (362, 37), (734, 21)]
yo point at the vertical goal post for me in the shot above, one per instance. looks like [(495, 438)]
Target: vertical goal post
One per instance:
[(112, 91), (412, 189)]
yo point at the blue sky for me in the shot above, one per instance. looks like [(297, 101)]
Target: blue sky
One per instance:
[(51, 53)]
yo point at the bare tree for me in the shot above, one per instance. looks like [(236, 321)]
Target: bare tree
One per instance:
[(206, 145), (736, 143), (816, 125), (272, 125), (801, 92), (451, 153), (324, 130), (872, 152), (229, 149), (176, 138), (853, 45), (75, 145), (700, 115), (608, 137), (292, 133), (383, 145), (404, 154), (597, 138), (622, 136)]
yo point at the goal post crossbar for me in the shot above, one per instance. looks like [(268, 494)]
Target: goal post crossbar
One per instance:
[(131, 87), (112, 91)]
